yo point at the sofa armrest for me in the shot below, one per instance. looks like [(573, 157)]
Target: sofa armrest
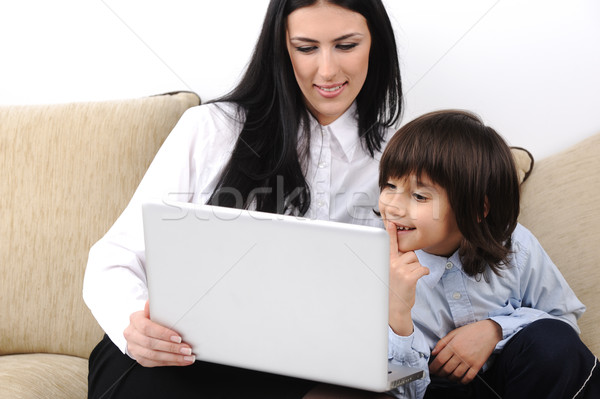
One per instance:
[(67, 172), (561, 206)]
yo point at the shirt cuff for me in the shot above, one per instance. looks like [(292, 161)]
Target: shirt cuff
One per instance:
[(405, 349)]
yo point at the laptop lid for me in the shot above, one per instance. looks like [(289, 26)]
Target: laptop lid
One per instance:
[(280, 294)]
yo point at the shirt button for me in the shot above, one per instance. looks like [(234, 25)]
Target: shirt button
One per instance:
[(322, 165), (456, 295), (449, 265), (320, 204)]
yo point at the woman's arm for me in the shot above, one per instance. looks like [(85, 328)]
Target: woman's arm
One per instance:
[(184, 169)]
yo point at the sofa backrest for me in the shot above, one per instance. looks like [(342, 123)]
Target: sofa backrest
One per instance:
[(561, 206), (67, 171)]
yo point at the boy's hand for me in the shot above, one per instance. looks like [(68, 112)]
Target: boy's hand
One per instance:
[(405, 271), (460, 355)]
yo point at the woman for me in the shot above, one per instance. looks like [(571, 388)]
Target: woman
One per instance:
[(301, 134)]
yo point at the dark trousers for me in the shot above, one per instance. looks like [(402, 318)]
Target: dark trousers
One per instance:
[(544, 360), (115, 375)]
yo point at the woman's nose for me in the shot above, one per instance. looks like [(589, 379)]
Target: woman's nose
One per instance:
[(328, 66)]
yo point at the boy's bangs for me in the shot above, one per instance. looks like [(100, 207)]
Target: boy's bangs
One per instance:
[(410, 154)]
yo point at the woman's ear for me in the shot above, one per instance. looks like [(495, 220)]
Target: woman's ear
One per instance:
[(486, 208)]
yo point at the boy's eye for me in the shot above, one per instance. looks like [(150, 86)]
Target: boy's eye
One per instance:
[(390, 186), (419, 197)]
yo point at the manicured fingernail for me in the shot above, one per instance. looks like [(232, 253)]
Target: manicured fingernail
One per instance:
[(190, 358), (186, 351), (176, 339)]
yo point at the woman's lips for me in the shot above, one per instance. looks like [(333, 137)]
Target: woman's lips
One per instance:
[(330, 91)]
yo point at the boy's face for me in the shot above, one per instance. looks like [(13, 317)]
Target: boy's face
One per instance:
[(421, 214)]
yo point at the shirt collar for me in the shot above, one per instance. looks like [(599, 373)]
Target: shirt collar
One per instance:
[(437, 266), (344, 130)]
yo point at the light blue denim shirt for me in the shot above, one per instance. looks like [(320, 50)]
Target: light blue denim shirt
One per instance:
[(530, 288)]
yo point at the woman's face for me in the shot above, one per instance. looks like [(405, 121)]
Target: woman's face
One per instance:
[(329, 49)]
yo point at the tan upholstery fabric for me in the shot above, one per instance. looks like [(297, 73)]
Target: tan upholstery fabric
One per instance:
[(561, 206), (43, 376), (523, 161), (67, 171)]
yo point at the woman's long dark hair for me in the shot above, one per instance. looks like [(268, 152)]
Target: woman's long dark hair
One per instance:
[(475, 166), (266, 165)]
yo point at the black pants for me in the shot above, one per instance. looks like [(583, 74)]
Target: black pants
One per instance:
[(115, 375), (544, 360)]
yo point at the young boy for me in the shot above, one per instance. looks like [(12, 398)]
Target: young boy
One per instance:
[(474, 298)]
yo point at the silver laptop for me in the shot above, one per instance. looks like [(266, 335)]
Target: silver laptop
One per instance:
[(279, 294)]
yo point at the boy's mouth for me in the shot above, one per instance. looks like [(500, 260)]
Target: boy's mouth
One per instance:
[(404, 228)]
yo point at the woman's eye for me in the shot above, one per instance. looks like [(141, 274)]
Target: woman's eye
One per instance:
[(305, 49), (346, 47)]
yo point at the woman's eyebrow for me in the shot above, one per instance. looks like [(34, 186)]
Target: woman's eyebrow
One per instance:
[(347, 36), (309, 40)]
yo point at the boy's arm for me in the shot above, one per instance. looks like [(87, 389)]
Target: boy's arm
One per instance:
[(406, 344), (544, 291), (463, 351), (411, 351)]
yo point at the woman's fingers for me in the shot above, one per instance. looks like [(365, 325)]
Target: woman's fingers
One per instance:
[(152, 344), (142, 323), (155, 353)]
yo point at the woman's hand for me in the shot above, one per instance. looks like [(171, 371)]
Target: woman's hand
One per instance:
[(153, 345), (460, 355), (405, 271)]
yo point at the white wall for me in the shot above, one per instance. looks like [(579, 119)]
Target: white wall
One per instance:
[(530, 68)]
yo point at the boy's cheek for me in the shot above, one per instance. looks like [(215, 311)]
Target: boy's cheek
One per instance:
[(382, 206), (386, 200)]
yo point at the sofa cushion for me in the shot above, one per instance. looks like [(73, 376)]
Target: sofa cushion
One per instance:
[(67, 172), (523, 161), (37, 376), (561, 206)]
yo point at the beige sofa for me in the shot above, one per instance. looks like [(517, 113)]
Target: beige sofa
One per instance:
[(67, 171)]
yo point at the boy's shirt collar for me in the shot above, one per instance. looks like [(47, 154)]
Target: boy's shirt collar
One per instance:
[(438, 265)]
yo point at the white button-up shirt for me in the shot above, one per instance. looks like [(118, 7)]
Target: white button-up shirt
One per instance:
[(342, 177)]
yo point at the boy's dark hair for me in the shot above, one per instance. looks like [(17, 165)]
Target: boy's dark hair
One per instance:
[(475, 166), (267, 151)]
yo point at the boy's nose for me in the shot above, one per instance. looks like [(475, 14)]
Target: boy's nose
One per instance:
[(395, 210)]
